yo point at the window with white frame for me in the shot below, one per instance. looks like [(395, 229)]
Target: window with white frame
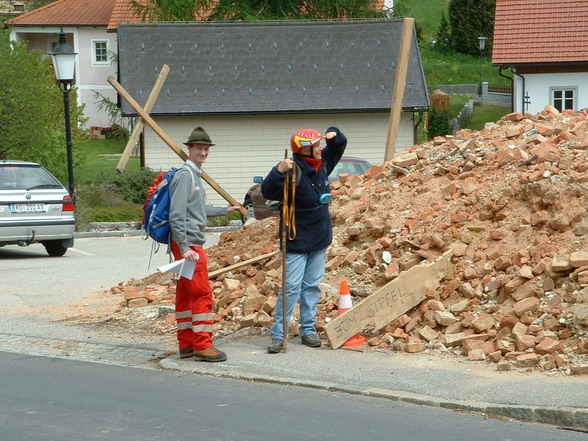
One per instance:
[(563, 98), (100, 52)]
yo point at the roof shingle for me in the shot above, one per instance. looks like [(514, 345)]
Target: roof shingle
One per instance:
[(123, 13), (67, 13), (257, 67), (540, 31)]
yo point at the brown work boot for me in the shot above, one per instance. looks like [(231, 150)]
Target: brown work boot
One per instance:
[(211, 354), (186, 353)]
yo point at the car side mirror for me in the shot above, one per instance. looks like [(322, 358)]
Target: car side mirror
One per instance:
[(257, 179)]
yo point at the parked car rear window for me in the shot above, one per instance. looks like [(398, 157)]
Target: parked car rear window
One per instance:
[(26, 178)]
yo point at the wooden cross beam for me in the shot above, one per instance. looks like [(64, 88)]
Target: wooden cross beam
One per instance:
[(170, 142), (140, 125), (399, 86)]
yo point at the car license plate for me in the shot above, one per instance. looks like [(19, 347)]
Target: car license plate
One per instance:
[(28, 208)]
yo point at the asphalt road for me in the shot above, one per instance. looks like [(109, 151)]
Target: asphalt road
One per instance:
[(60, 400)]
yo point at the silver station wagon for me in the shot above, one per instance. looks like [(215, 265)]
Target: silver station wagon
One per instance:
[(34, 208)]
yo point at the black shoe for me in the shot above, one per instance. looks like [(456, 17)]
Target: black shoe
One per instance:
[(276, 346), (311, 340)]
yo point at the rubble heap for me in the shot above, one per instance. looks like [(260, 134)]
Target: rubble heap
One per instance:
[(509, 201)]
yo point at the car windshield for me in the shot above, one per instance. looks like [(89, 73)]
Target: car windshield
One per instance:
[(350, 167), (19, 177)]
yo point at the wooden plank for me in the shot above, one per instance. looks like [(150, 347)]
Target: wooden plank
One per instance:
[(389, 302), (240, 264), (399, 86), (440, 102), (171, 144), (122, 163)]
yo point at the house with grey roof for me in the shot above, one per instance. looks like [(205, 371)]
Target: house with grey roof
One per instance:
[(252, 84)]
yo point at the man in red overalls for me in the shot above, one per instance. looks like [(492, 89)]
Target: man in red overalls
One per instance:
[(187, 217)]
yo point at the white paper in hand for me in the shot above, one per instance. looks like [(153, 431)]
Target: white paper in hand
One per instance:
[(183, 267)]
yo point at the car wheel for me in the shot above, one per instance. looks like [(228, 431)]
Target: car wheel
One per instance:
[(54, 248), (248, 205)]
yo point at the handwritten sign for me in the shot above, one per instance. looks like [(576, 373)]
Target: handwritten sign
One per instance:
[(389, 302)]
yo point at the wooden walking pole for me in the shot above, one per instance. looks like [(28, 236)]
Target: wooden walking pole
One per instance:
[(170, 142), (284, 240), (140, 124)]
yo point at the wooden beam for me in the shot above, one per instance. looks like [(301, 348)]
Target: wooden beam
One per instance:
[(399, 86), (171, 144), (240, 264), (389, 302), (122, 163)]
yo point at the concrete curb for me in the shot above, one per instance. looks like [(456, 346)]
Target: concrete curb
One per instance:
[(563, 417)]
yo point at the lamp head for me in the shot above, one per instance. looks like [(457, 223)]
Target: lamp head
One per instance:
[(64, 60)]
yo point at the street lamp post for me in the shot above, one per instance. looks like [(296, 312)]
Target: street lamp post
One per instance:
[(64, 61), (482, 44)]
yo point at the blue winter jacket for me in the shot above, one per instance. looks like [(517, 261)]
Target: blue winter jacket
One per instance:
[(313, 222)]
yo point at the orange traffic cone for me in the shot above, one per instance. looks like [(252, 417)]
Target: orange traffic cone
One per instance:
[(345, 305)]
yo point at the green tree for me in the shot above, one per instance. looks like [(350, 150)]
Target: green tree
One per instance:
[(31, 109), (443, 34), (189, 10), (469, 20)]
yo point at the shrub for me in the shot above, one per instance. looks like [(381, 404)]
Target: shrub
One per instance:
[(131, 185), (438, 124), (95, 203), (223, 221)]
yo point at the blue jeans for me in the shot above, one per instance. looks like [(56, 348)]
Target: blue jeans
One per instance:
[(304, 273)]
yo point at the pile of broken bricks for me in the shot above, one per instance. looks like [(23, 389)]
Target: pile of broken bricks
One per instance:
[(509, 202)]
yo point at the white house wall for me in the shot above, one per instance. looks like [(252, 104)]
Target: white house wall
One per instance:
[(538, 87), (94, 78), (89, 78), (249, 145)]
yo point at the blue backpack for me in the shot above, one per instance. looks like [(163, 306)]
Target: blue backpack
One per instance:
[(156, 208)]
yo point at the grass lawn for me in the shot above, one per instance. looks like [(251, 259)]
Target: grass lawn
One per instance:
[(484, 113), (102, 155), (446, 68), (428, 14)]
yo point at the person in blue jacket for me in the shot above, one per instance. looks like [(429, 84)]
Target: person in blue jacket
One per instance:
[(311, 231)]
